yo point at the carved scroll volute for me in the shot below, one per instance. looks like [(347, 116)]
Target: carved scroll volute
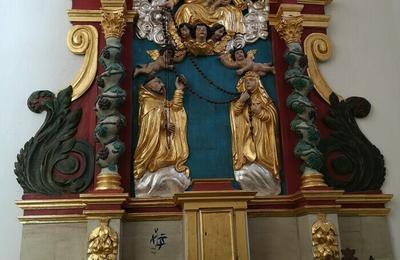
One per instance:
[(83, 40), (318, 47)]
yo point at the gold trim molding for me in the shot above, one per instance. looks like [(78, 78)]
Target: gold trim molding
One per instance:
[(346, 205), (318, 47), (83, 40), (78, 15), (314, 2)]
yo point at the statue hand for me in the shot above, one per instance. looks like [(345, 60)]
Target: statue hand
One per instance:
[(180, 82), (244, 97)]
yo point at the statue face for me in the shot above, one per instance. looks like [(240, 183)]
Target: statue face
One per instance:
[(218, 34), (250, 84), (156, 85), (201, 32), (185, 32), (239, 55)]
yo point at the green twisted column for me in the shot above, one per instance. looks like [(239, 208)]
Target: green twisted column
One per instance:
[(290, 29), (111, 97)]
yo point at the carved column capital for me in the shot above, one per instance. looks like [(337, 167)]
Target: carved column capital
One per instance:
[(113, 22), (290, 28), (290, 25)]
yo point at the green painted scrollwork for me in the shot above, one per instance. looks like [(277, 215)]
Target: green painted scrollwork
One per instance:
[(53, 161)]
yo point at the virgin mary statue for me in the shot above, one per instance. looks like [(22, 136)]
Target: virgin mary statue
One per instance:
[(254, 126)]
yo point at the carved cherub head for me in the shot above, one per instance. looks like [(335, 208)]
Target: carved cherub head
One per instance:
[(238, 54), (184, 31), (201, 32), (218, 31)]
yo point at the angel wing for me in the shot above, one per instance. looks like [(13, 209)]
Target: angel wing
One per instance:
[(154, 54), (251, 54)]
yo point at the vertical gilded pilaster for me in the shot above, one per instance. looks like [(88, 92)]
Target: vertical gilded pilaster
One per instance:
[(111, 96), (290, 28)]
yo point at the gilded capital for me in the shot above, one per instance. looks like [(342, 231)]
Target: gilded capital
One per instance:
[(113, 22), (290, 28)]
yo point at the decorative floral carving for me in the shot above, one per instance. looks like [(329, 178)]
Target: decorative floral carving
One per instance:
[(53, 161), (103, 242), (113, 22), (324, 239)]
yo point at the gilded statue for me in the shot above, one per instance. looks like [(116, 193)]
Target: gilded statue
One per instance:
[(254, 125), (243, 62), (210, 13), (162, 149), (164, 59)]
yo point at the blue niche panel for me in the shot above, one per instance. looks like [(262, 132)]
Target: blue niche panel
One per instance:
[(208, 129)]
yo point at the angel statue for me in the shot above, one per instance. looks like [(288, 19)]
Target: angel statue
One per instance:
[(244, 62), (164, 59), (254, 126), (162, 149)]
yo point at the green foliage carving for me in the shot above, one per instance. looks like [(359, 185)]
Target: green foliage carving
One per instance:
[(53, 161), (352, 162)]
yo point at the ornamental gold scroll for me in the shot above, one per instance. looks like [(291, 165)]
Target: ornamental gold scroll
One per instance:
[(162, 149), (254, 125)]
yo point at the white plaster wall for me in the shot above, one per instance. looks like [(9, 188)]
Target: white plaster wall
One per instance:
[(366, 62), (33, 56), (366, 40)]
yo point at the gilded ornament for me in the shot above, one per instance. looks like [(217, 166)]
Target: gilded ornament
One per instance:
[(253, 25), (290, 28), (83, 40), (254, 126), (211, 13), (318, 47), (103, 242), (324, 239), (113, 22)]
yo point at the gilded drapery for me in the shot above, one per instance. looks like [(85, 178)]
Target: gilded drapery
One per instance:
[(157, 148), (254, 136)]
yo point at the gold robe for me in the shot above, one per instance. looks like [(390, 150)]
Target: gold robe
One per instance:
[(194, 11), (259, 144), (156, 147)]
